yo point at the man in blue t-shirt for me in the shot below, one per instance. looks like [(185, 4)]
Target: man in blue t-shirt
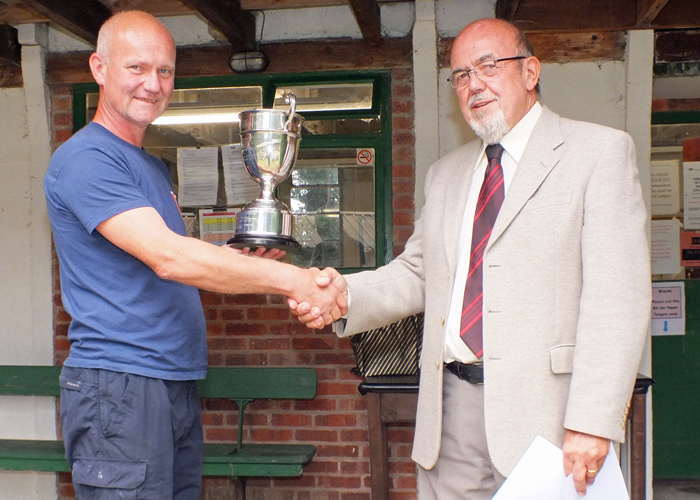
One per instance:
[(130, 411)]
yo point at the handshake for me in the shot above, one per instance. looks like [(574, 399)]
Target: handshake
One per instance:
[(319, 298)]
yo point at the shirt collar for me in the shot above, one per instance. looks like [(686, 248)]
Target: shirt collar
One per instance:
[(515, 141)]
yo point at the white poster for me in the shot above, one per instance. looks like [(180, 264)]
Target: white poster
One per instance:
[(240, 187), (691, 195), (668, 308), (665, 187), (198, 176), (665, 246)]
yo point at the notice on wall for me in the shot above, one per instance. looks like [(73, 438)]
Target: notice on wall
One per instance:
[(690, 248), (240, 187), (217, 226), (198, 176), (665, 187), (665, 247), (668, 308), (691, 195)]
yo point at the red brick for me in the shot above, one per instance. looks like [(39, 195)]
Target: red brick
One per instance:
[(246, 300), (214, 330), (227, 344), (269, 314), (316, 466), (352, 495), (318, 404), (313, 343), (339, 481), (659, 105), (215, 359), (240, 359), (220, 434), (61, 103), (402, 122), (402, 170), (269, 344), (401, 74), (62, 119), (230, 314), (335, 421), (212, 418), (355, 404), (343, 358), (210, 298), (402, 154), (401, 107), (401, 90), (277, 435), (403, 218), (403, 139), (337, 451), (336, 389), (315, 435), (294, 420), (243, 329), (354, 467), (403, 186), (354, 435), (61, 344), (402, 233), (289, 359)]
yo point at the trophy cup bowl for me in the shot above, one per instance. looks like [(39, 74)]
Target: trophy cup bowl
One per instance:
[(270, 144)]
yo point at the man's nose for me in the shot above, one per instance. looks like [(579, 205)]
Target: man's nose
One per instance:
[(476, 84), (152, 82)]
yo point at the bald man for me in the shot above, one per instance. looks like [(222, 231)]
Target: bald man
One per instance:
[(531, 262), (130, 411)]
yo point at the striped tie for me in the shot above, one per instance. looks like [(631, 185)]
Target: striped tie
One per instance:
[(487, 207)]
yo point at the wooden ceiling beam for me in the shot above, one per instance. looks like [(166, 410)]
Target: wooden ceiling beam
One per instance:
[(82, 18), (368, 19), (72, 67), (507, 9), (227, 16), (647, 10), (562, 47)]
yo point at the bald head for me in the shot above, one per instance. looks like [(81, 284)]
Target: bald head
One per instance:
[(123, 23), (489, 27)]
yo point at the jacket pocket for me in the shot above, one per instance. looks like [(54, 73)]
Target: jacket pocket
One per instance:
[(562, 358), (548, 200), (124, 475)]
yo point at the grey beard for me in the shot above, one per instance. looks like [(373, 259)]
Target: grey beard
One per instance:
[(492, 130)]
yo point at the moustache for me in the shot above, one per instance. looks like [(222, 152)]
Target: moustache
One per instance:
[(482, 96)]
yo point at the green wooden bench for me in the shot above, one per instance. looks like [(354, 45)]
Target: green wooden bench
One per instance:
[(237, 460)]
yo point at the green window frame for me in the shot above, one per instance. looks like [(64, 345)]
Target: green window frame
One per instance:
[(381, 141)]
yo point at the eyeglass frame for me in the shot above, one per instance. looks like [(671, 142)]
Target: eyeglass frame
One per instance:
[(474, 72)]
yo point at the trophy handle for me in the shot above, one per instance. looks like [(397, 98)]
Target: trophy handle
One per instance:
[(290, 99)]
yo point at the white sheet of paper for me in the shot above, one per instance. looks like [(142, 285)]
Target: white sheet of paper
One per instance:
[(691, 195), (665, 246), (198, 176), (539, 475), (240, 188)]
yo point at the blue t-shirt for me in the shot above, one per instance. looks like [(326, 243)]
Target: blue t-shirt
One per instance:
[(125, 318)]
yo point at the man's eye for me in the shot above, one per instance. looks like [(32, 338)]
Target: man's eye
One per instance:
[(460, 77), (488, 66)]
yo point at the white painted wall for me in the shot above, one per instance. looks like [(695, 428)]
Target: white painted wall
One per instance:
[(26, 309)]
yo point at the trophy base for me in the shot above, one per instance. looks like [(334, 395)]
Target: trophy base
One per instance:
[(252, 241)]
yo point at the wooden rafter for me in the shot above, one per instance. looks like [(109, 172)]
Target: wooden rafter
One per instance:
[(647, 10), (506, 9), (82, 18), (227, 16), (368, 19)]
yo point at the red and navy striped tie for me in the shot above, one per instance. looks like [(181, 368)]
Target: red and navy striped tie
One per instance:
[(487, 207)]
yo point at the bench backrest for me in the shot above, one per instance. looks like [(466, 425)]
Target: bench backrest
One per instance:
[(231, 383)]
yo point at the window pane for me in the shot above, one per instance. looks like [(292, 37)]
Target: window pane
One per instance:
[(342, 126), (332, 97)]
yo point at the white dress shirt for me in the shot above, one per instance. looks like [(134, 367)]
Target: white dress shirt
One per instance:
[(513, 144)]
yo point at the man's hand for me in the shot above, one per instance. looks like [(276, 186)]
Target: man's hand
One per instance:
[(334, 283), (584, 455), (273, 253)]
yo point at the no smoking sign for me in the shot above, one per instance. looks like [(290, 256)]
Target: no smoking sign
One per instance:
[(365, 157)]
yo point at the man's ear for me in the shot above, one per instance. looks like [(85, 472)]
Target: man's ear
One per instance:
[(532, 72), (98, 68)]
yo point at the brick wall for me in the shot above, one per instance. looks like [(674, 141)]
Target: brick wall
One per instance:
[(259, 330)]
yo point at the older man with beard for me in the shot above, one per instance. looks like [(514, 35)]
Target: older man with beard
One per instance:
[(530, 260)]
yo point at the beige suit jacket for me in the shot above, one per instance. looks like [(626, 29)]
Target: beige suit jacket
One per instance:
[(567, 289)]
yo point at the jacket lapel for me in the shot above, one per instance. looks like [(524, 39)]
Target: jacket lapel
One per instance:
[(539, 158), (459, 180)]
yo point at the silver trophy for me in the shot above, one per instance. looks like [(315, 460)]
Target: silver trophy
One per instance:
[(270, 143)]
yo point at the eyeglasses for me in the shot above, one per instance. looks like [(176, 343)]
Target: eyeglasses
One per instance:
[(484, 71)]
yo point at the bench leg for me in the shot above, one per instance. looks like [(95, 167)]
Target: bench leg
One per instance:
[(239, 485)]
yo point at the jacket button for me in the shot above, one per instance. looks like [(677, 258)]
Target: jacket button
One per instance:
[(437, 364), (442, 320)]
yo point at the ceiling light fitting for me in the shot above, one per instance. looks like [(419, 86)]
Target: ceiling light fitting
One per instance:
[(248, 62)]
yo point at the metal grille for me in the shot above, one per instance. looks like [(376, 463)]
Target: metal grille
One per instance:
[(391, 350)]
